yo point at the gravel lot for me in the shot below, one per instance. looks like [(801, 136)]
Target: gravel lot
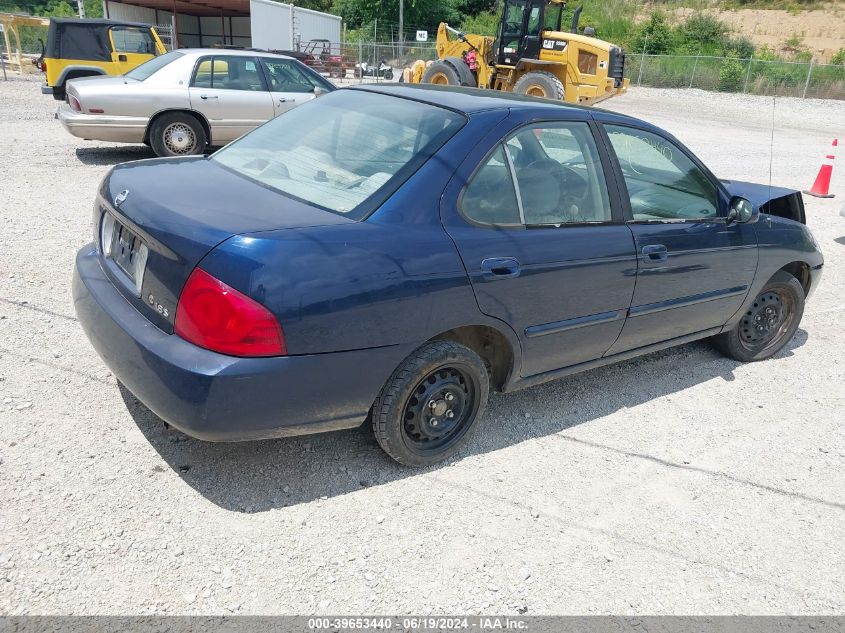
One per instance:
[(680, 483)]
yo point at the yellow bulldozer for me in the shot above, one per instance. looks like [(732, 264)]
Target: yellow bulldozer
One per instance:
[(531, 55)]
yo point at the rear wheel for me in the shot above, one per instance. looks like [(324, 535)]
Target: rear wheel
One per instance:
[(177, 134), (441, 73), (430, 406), (540, 83), (769, 322)]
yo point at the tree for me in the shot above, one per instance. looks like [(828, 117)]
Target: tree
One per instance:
[(424, 14), (655, 36)]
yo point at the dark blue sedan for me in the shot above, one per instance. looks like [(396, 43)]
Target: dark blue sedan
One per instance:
[(394, 253)]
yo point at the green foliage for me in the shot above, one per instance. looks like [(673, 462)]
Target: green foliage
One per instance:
[(766, 54), (53, 8), (839, 58), (425, 14), (731, 75), (794, 42), (316, 5), (485, 23), (655, 36), (703, 29), (741, 47)]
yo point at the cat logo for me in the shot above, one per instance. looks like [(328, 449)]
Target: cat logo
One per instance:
[(557, 45)]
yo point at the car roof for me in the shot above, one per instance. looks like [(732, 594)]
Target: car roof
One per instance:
[(470, 100), (231, 52)]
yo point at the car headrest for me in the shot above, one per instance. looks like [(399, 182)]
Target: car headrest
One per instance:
[(539, 187)]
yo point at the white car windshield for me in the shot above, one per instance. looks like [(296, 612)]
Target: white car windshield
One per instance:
[(343, 151)]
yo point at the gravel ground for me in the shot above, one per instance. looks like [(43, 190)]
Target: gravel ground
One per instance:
[(677, 483)]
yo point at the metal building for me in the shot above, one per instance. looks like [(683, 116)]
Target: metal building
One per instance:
[(245, 23)]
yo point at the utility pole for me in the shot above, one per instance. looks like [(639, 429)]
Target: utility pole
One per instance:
[(81, 7), (401, 29)]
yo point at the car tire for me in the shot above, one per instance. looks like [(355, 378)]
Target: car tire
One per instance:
[(441, 73), (465, 74), (541, 84), (769, 322), (431, 405), (177, 134)]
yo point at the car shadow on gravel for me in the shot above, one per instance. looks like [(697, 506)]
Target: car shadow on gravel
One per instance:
[(259, 476), (113, 155)]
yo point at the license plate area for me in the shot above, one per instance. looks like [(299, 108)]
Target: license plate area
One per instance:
[(122, 247)]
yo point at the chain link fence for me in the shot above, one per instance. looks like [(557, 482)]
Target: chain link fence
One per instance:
[(346, 63), (728, 74), (366, 62)]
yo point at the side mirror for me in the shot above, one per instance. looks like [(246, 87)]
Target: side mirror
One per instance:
[(318, 91), (742, 211)]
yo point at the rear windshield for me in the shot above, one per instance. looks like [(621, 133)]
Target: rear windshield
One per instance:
[(154, 65), (345, 151)]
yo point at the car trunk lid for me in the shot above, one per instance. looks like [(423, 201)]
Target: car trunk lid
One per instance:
[(162, 216)]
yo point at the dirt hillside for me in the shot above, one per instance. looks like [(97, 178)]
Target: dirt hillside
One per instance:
[(821, 31)]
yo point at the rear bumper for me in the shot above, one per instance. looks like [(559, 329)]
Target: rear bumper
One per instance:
[(119, 129), (215, 397), (49, 90)]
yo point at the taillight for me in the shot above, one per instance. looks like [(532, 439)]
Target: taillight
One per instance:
[(213, 315), (74, 104)]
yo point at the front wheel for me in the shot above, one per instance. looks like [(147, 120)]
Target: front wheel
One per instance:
[(430, 406), (177, 134), (769, 322), (542, 84)]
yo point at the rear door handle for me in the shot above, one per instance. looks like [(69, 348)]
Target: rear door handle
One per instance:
[(655, 253), (500, 267), (121, 58), (209, 97), (285, 100)]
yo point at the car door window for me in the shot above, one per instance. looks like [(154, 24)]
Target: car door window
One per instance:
[(544, 175), (559, 174), (228, 73), (132, 40), (287, 76), (663, 182)]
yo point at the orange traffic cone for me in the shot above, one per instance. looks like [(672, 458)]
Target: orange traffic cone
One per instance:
[(821, 187)]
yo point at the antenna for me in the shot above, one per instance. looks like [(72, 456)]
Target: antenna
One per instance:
[(772, 146)]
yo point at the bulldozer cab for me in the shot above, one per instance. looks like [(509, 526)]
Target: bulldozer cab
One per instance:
[(521, 28)]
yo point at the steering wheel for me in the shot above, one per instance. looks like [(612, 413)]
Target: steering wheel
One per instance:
[(573, 189)]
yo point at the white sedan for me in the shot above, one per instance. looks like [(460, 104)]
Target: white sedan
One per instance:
[(183, 101)]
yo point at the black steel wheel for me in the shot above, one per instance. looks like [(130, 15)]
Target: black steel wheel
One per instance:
[(430, 405), (769, 322)]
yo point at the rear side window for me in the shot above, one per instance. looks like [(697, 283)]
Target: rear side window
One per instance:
[(544, 175), (228, 73), (129, 39)]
